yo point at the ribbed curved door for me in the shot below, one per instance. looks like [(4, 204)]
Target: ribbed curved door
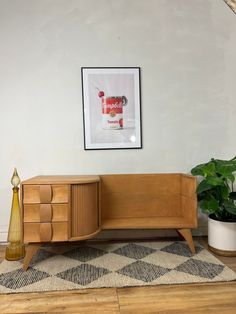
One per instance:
[(84, 209)]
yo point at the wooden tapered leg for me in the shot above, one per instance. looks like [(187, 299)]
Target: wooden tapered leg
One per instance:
[(31, 250), (187, 235)]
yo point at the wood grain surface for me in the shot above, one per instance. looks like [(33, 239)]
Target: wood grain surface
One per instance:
[(148, 201)]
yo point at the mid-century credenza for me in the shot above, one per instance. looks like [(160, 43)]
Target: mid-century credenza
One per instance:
[(75, 208)]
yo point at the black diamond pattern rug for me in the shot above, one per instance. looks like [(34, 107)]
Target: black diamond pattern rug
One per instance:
[(112, 265)]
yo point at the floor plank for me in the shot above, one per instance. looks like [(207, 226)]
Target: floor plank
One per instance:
[(187, 298), (76, 301)]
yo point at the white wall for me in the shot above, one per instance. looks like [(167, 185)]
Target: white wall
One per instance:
[(186, 50)]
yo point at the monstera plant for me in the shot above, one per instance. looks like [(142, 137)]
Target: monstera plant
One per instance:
[(215, 192), (216, 197)]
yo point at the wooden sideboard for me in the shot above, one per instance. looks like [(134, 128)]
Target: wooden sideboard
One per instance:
[(75, 208)]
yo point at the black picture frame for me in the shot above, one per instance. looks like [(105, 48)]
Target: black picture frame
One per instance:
[(111, 98)]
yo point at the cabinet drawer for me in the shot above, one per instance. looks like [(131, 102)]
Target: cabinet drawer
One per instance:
[(45, 193), (45, 232), (45, 212)]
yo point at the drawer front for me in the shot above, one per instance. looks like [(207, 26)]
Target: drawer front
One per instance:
[(45, 193), (46, 212), (45, 232)]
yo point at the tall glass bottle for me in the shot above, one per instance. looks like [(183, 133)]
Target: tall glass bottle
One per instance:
[(15, 249)]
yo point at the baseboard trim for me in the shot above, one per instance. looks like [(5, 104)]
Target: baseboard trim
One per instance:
[(200, 231)]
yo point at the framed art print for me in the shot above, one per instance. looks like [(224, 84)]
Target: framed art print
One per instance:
[(111, 108)]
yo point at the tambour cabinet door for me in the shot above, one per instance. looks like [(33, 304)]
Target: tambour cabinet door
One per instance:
[(84, 209)]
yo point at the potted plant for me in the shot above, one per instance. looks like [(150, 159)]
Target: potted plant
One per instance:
[(216, 198)]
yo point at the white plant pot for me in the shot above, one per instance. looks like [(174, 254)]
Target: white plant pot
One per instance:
[(222, 236)]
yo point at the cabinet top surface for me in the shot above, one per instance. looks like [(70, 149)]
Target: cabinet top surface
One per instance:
[(63, 179)]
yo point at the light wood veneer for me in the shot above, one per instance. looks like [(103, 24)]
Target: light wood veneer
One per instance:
[(73, 208), (140, 201)]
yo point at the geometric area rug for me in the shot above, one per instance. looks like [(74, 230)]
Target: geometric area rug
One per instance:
[(96, 265)]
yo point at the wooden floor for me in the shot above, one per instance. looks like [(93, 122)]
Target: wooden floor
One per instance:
[(188, 298)]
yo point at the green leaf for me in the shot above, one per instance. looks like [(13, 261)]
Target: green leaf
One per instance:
[(214, 181), (229, 176), (230, 207), (203, 186), (198, 170), (205, 195), (209, 206), (225, 167), (209, 183), (204, 170), (225, 192)]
